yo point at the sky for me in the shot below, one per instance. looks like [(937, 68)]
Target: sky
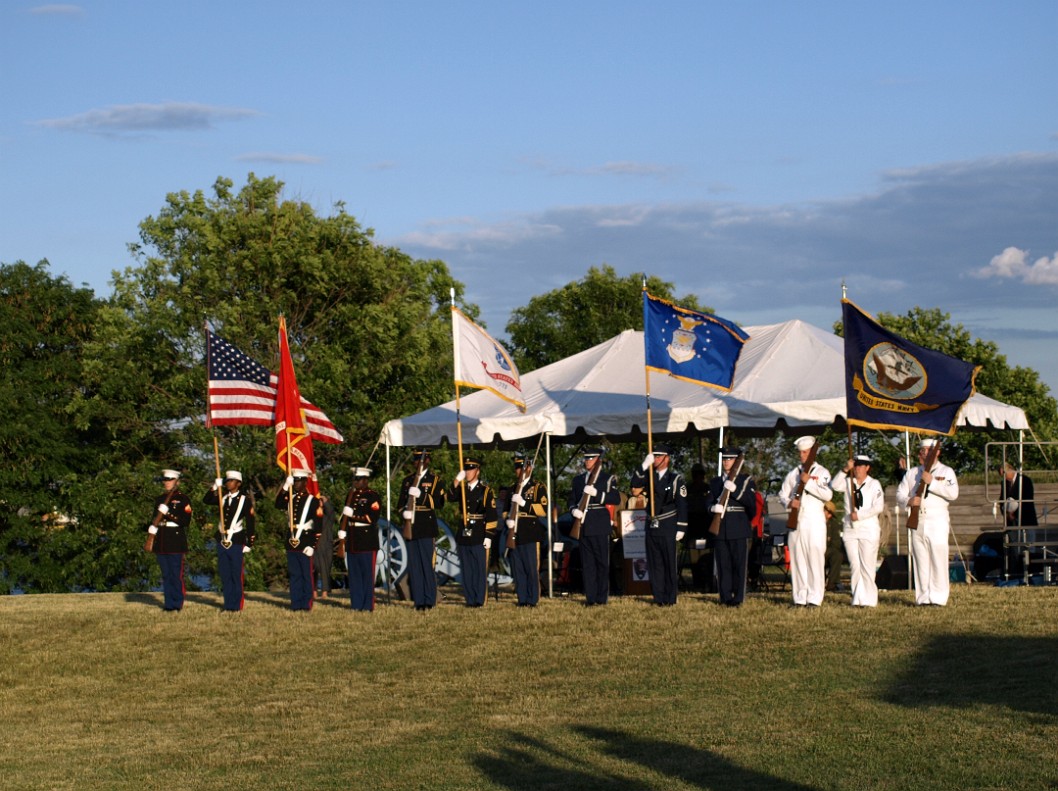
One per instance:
[(757, 155)]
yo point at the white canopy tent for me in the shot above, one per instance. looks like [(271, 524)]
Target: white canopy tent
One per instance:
[(789, 376)]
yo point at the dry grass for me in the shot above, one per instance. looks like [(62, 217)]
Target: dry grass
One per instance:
[(105, 691)]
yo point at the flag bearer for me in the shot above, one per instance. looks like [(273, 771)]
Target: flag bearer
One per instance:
[(302, 537), (476, 530), (237, 538)]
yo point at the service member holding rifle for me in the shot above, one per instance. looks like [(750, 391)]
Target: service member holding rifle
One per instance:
[(804, 490), (358, 539), (167, 539), (593, 491), (926, 492), (524, 531), (421, 494), (864, 502), (732, 501)]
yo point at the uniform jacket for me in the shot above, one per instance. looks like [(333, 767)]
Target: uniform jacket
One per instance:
[(817, 491), (869, 500), (308, 520), (238, 513), (432, 498), (361, 529), (171, 538), (670, 497), (597, 520), (479, 520), (942, 491), (529, 529), (741, 506)]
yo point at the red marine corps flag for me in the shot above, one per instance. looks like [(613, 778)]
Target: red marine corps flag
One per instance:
[(293, 443)]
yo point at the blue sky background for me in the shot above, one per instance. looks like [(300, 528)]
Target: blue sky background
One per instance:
[(755, 154)]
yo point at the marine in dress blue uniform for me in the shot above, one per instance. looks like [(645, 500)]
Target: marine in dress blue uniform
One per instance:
[(172, 515), (421, 494), (359, 530), (301, 539), (596, 524), (236, 540), (667, 524), (731, 549), (476, 529), (528, 505)]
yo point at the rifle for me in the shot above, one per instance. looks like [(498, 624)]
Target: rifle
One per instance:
[(148, 545), (574, 531), (714, 525), (410, 504), (920, 490), (795, 513), (512, 512), (339, 545)]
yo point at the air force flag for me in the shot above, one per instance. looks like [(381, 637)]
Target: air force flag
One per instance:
[(892, 383), (698, 347)]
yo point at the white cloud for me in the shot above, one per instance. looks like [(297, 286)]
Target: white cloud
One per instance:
[(57, 9), (631, 168), (279, 159), (1013, 263), (168, 116)]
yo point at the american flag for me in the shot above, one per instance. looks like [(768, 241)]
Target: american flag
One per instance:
[(243, 392)]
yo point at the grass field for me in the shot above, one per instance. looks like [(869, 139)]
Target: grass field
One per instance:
[(106, 691)]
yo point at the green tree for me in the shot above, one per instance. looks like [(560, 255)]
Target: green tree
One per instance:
[(48, 538), (1021, 387), (582, 314), (368, 327)]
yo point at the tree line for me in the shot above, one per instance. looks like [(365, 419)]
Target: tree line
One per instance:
[(102, 393)]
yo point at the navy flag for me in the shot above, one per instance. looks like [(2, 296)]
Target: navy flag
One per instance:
[(697, 347), (892, 383)]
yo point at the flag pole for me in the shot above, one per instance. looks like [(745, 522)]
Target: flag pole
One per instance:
[(216, 449), (650, 428), (456, 368), (286, 432)]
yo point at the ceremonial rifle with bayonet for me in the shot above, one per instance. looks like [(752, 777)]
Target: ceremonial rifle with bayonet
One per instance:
[(736, 468), (795, 513), (920, 490)]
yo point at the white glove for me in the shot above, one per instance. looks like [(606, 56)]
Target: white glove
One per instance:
[(341, 535), (577, 514), (218, 482), (510, 524), (679, 535), (647, 461), (152, 530), (163, 508), (517, 499), (309, 552), (729, 485), (1012, 505), (408, 515), (487, 543), (288, 483), (414, 491), (590, 490), (717, 508), (347, 511), (461, 476), (245, 550)]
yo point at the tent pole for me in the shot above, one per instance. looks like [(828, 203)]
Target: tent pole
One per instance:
[(389, 520), (550, 510)]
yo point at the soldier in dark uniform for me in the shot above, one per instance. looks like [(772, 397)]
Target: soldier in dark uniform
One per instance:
[(237, 537), (172, 515), (668, 522), (596, 524), (359, 529), (476, 529), (421, 494), (731, 548), (528, 504), (302, 536)]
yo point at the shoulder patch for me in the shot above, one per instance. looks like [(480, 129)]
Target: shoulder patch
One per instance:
[(375, 505)]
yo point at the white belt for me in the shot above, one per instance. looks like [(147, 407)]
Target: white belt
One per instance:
[(170, 524)]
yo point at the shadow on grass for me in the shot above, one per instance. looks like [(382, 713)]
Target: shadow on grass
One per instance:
[(527, 763), (967, 670)]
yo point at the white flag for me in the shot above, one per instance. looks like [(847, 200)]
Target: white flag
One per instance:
[(481, 362)]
